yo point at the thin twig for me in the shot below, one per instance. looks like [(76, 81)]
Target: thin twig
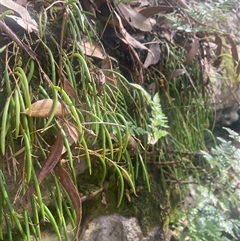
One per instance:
[(14, 37)]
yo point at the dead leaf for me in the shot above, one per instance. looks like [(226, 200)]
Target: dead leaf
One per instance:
[(152, 88), (89, 7), (112, 21), (43, 108), (99, 78), (233, 49), (104, 200), (151, 11), (135, 19), (72, 132), (218, 42), (69, 88), (182, 4), (127, 193), (27, 22), (193, 51), (129, 43), (132, 145), (153, 56), (51, 161), (133, 41), (20, 22), (176, 73), (238, 68), (107, 64), (71, 189), (139, 3), (127, 38), (92, 49), (22, 2)]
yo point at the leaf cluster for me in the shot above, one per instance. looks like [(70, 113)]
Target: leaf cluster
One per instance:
[(61, 109), (67, 102), (213, 211)]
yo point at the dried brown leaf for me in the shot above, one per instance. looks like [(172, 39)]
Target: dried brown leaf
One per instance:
[(43, 108), (193, 51), (176, 73), (233, 49), (153, 56), (99, 78), (127, 38), (89, 7), (73, 133), (51, 161), (113, 21), (92, 49), (135, 19), (132, 41), (151, 11), (22, 2), (129, 43), (107, 64), (69, 88), (218, 42), (71, 189), (238, 68), (139, 4), (26, 21)]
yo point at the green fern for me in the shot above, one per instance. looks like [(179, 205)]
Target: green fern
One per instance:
[(216, 199)]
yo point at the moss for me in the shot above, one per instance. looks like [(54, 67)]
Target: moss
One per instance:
[(150, 208), (228, 64), (227, 60)]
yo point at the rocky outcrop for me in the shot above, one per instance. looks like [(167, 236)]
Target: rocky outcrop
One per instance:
[(112, 228), (225, 89), (116, 227)]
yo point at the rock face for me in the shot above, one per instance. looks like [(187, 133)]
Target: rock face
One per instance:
[(115, 228), (225, 103), (111, 228), (225, 90)]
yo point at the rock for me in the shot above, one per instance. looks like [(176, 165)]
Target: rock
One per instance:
[(224, 88), (111, 228), (227, 116), (116, 227)]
